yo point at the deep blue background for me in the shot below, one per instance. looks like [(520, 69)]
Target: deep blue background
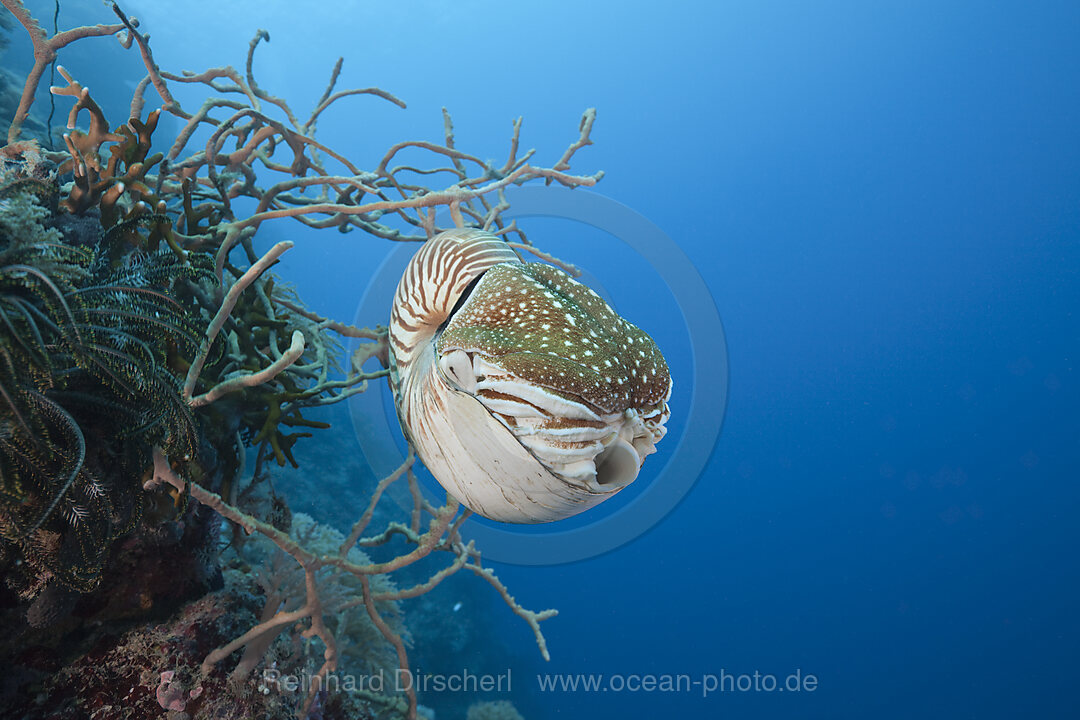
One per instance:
[(884, 199)]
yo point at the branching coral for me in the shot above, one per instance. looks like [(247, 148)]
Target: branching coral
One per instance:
[(283, 582), (262, 357)]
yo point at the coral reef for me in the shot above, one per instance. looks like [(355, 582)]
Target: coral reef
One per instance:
[(362, 649), (493, 710), (86, 390), (148, 670), (153, 371)]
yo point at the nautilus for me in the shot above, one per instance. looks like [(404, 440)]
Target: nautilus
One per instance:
[(523, 392)]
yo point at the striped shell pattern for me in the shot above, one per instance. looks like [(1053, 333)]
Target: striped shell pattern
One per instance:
[(526, 396)]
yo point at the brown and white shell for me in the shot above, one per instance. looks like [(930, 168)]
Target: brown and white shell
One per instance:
[(526, 396)]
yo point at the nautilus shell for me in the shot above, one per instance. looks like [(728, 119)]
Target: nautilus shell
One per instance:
[(526, 396)]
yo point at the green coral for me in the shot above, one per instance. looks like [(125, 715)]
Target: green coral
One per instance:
[(22, 217)]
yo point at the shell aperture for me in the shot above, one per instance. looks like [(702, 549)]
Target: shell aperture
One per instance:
[(529, 399)]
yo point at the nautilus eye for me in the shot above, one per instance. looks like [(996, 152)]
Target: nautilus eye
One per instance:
[(526, 396)]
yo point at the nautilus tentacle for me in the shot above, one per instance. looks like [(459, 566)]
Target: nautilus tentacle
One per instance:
[(526, 396)]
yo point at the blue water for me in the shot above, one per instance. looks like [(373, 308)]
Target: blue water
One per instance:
[(884, 200)]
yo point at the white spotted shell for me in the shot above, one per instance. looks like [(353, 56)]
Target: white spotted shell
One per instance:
[(526, 396)]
